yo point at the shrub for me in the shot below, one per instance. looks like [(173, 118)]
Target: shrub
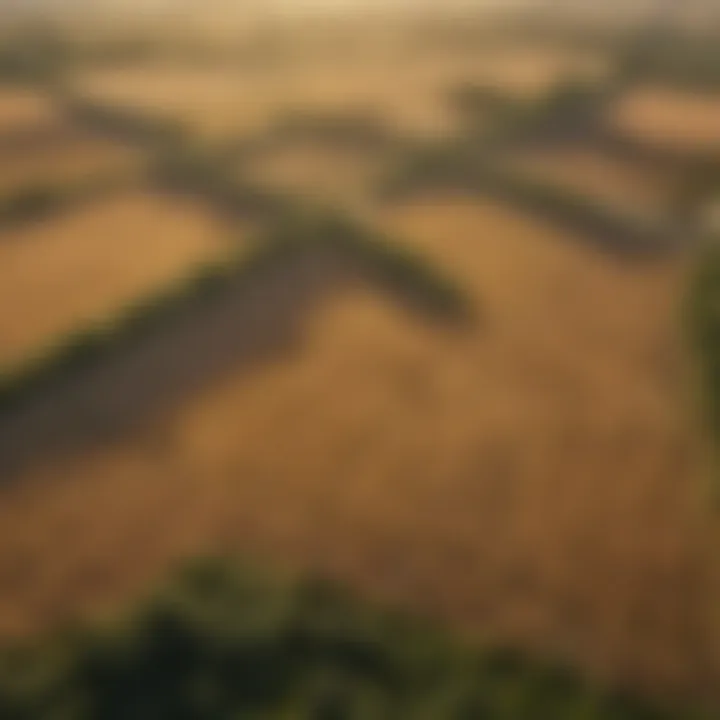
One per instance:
[(222, 641)]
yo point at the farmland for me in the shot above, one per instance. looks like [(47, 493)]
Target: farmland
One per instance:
[(670, 119), (23, 110), (444, 421), (610, 180), (83, 267), (289, 301), (404, 88), (67, 158)]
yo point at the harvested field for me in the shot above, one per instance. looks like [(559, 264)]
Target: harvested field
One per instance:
[(535, 474), (405, 90), (609, 180), (67, 158), (669, 119), (529, 74), (328, 175), (21, 110), (85, 266), (222, 104)]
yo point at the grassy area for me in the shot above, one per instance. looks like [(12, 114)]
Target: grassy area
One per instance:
[(224, 642)]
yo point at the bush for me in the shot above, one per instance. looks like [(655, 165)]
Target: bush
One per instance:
[(223, 641)]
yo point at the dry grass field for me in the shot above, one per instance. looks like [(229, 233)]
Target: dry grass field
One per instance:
[(22, 109), (86, 265), (672, 119), (609, 180), (534, 478), (321, 173), (403, 88), (69, 157)]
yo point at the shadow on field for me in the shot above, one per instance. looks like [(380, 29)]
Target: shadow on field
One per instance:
[(246, 323)]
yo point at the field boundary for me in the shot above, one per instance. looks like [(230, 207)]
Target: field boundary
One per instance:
[(388, 264)]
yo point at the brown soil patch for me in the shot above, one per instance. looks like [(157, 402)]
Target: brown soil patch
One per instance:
[(534, 478), (85, 266), (679, 121)]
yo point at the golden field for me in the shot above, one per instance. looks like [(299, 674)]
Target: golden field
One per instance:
[(69, 159), (327, 175), (405, 89), (22, 109), (611, 181), (85, 266), (672, 119), (534, 478)]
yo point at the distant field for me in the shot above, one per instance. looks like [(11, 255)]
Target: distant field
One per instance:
[(406, 90), (22, 109), (618, 183), (534, 475), (84, 266), (672, 119), (325, 174), (70, 157)]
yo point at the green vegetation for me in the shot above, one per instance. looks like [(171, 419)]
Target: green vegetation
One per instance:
[(225, 642)]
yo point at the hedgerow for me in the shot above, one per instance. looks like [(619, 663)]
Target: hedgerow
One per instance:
[(377, 257), (228, 642)]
